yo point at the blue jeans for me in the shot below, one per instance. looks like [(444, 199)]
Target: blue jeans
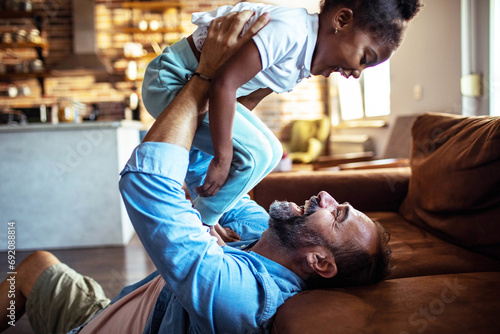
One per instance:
[(256, 150)]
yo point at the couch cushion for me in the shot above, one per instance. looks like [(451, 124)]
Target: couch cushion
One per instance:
[(463, 303), (455, 182), (416, 252)]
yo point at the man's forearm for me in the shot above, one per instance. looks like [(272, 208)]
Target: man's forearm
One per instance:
[(177, 123)]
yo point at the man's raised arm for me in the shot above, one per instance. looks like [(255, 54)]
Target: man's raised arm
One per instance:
[(186, 256)]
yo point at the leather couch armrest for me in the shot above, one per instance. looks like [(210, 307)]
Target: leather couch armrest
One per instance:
[(366, 190)]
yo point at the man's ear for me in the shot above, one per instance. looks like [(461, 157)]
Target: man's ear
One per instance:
[(341, 18), (322, 263)]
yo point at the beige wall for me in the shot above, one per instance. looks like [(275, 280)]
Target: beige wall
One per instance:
[(429, 56)]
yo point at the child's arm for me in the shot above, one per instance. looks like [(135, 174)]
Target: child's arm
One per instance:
[(239, 69)]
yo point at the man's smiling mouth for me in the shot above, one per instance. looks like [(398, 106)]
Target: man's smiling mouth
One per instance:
[(311, 204)]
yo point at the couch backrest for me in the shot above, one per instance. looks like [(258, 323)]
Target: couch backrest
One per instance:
[(454, 189)]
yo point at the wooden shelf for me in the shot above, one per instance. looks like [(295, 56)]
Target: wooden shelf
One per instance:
[(23, 76), (23, 45), (150, 56), (15, 14), (118, 76), (132, 30), (153, 4)]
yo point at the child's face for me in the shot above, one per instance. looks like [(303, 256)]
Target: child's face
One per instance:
[(349, 52)]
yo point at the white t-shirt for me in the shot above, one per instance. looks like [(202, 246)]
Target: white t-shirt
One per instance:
[(286, 44)]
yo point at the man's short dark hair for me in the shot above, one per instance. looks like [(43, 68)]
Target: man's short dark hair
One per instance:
[(355, 265)]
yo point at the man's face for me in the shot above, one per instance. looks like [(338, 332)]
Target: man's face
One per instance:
[(336, 223)]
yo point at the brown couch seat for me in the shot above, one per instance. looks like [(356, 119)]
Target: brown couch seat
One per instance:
[(430, 304), (416, 252)]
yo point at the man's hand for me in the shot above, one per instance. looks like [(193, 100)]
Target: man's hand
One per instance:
[(224, 39)]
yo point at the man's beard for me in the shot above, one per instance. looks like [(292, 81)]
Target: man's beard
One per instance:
[(292, 229), (281, 211)]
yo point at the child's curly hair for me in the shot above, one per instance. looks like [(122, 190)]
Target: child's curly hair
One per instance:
[(384, 19)]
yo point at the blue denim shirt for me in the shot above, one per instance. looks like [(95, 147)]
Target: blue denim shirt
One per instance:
[(209, 289)]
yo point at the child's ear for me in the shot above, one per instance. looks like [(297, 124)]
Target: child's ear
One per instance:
[(341, 18)]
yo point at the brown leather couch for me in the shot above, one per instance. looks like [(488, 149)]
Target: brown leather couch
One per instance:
[(440, 282)]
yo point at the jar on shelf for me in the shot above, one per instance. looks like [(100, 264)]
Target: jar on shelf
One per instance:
[(170, 17), (7, 37), (37, 66), (21, 36), (26, 5), (34, 36)]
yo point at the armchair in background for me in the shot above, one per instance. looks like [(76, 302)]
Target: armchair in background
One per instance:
[(307, 139)]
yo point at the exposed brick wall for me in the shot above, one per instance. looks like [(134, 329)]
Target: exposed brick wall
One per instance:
[(305, 101)]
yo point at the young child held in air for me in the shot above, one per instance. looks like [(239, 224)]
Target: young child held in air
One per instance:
[(347, 36)]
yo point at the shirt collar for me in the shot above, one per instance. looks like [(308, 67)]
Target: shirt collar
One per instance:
[(287, 280)]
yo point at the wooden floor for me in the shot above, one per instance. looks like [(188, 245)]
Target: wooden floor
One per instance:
[(112, 267)]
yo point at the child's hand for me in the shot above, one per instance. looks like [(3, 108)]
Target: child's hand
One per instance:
[(226, 233), (216, 176), (223, 234)]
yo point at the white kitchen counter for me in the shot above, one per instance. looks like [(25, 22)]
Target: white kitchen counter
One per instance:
[(70, 126), (59, 183)]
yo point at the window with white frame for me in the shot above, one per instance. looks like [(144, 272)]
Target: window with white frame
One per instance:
[(366, 97)]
